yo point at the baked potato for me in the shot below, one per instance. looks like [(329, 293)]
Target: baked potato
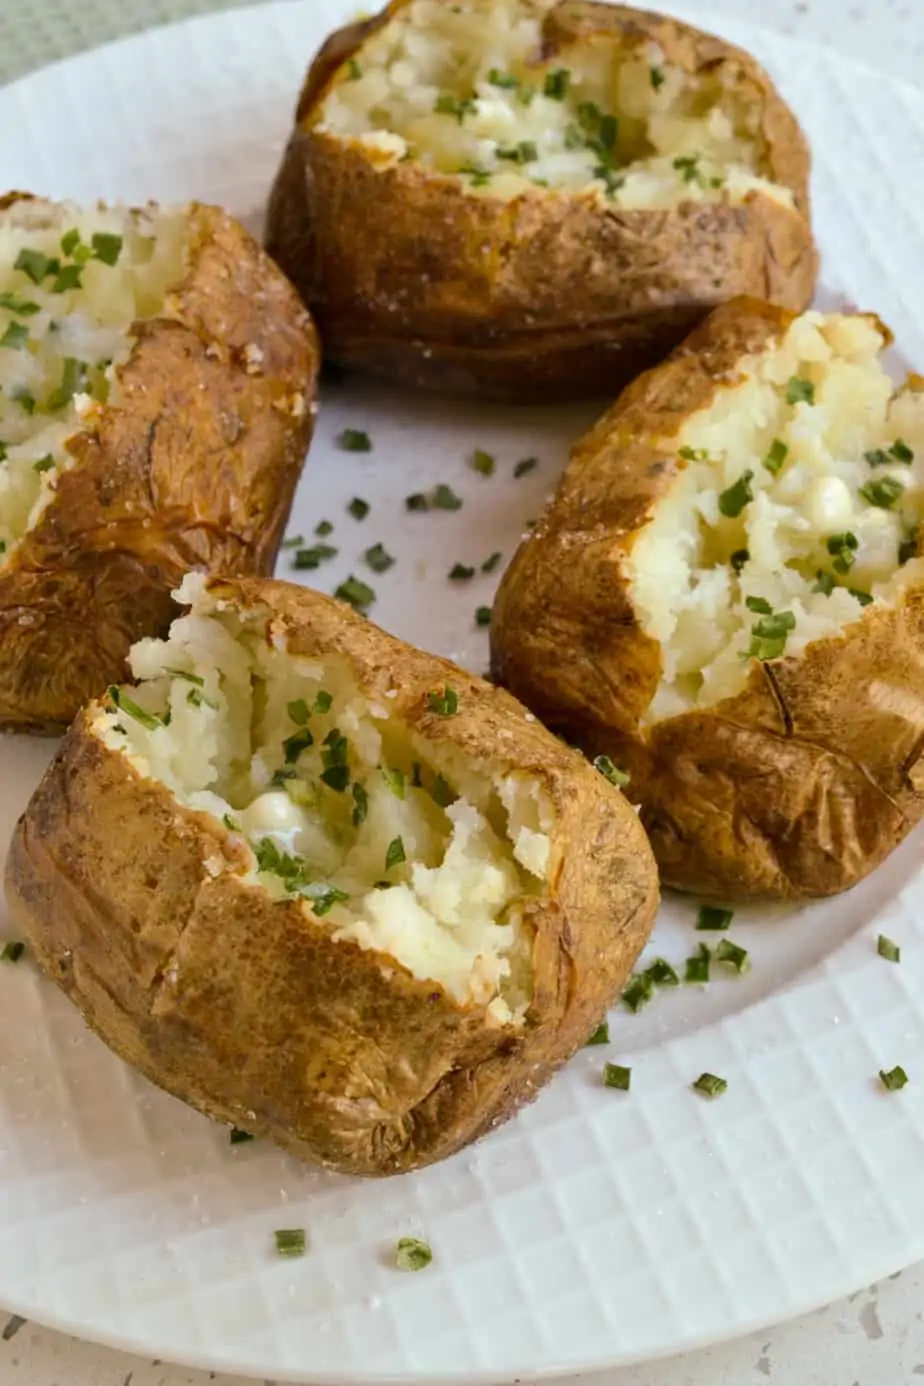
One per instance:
[(327, 887), (157, 392), (726, 596), (535, 200)]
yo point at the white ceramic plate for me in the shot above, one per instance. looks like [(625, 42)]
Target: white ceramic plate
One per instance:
[(597, 1228)]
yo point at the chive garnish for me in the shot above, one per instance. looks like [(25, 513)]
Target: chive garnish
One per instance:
[(693, 454), (72, 378), (888, 950), (638, 992), (447, 104), (600, 1036), (459, 572), (296, 542), (126, 704), (733, 500), (525, 152), (68, 278), (44, 464), (394, 779), (615, 1076), (354, 440), (354, 70), (445, 703), (293, 746), (713, 918), (732, 956), (883, 492), (491, 564), (895, 1079), (710, 1085), (323, 702), (298, 711), (36, 265), (442, 497), (290, 1241), (106, 247), (776, 456), (656, 76), (239, 1137), (824, 582), (378, 558), (323, 528), (899, 450), (323, 897), (482, 616), (359, 594), (526, 465), (799, 390), (557, 84), (24, 307), (361, 805), (611, 772), (395, 854), (697, 967), (15, 336), (759, 604), (503, 79), (864, 598), (843, 547), (358, 508), (12, 951), (769, 635), (411, 1254), (662, 974), (687, 165), (738, 559), (443, 794), (307, 560), (483, 462)]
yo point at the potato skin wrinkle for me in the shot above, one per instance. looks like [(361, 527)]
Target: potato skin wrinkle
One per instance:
[(552, 294), (803, 778), (192, 464), (248, 1009)]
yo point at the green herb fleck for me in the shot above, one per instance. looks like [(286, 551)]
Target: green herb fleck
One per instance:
[(231, 824), (460, 573), (354, 70), (299, 712), (615, 1076), (359, 594), (290, 1241), (759, 604), (36, 265), (697, 967), (480, 177), (600, 1036), (824, 582), (25, 400), (395, 854), (124, 703), (710, 1085), (662, 974), (900, 451), (738, 559), (769, 636), (355, 440), (523, 153), (657, 77), (15, 337), (888, 950), (306, 560), (358, 508), (491, 564), (883, 492), (445, 703), (713, 918), (557, 84), (483, 462), (776, 456), (611, 772), (239, 1137), (733, 500), (361, 805), (638, 992), (843, 547), (394, 779), (411, 1254), (482, 616), (799, 390), (12, 951), (449, 105), (505, 80), (68, 278), (24, 307), (73, 375), (378, 558), (296, 542), (293, 746), (323, 897), (323, 702), (895, 1079), (70, 241), (693, 454), (864, 598), (443, 794), (528, 464), (44, 464), (196, 698), (106, 247), (732, 956), (323, 529)]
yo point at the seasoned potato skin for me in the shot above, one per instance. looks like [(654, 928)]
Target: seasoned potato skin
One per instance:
[(799, 785), (196, 466), (245, 1008), (551, 296)]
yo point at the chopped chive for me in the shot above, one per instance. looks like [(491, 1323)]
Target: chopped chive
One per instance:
[(611, 772), (895, 1079), (449, 105), (503, 79), (290, 1241), (296, 542), (106, 247), (323, 529), (336, 777), (864, 598), (899, 450), (443, 794), (842, 547), (482, 616), (68, 278), (323, 702), (24, 307), (738, 559), (662, 974), (44, 464), (883, 492), (697, 967), (491, 564), (442, 497), (354, 440), (687, 165), (306, 560), (417, 501), (460, 573), (411, 1254), (557, 84), (12, 951), (615, 1076), (733, 500), (416, 778), (710, 1085), (36, 265), (693, 454), (733, 956), (358, 508), (354, 70), (483, 463), (638, 992), (526, 465), (323, 897), (525, 152), (73, 375), (293, 746), (359, 594), (69, 241), (656, 76), (298, 711), (888, 950), (239, 1137), (395, 854), (824, 582), (378, 558), (769, 635), (361, 802), (124, 703), (231, 824), (196, 698), (878, 458), (445, 703), (776, 456), (25, 400), (394, 779), (15, 336), (759, 604), (480, 177), (799, 390), (600, 1036)]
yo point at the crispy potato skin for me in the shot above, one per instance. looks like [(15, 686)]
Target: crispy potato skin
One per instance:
[(799, 785), (551, 296), (195, 466), (246, 1008)]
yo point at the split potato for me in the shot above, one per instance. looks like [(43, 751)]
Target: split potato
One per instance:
[(157, 395), (726, 596), (327, 887), (535, 199)]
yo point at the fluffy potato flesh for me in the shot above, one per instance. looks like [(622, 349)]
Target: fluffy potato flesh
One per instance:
[(401, 849), (72, 284), (798, 505), (463, 89)]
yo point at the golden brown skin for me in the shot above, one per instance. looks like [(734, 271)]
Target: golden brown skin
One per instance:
[(195, 467), (799, 785), (551, 296), (247, 1009)]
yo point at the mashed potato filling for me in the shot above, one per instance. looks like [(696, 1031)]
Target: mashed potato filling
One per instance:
[(463, 89), (72, 284), (397, 844), (799, 503)]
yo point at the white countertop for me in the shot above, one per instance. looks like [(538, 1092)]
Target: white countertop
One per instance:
[(876, 1338)]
